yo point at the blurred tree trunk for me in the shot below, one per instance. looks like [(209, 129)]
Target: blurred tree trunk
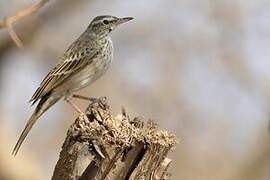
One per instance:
[(228, 18)]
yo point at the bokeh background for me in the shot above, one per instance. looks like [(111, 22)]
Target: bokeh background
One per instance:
[(200, 68)]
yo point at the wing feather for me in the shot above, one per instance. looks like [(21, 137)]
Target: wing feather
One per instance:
[(73, 61)]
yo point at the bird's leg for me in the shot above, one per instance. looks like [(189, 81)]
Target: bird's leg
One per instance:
[(92, 100), (82, 97), (68, 100), (74, 105), (99, 101)]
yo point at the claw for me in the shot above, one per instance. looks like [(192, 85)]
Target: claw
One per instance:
[(84, 117)]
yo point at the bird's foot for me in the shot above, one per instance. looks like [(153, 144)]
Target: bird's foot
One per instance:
[(99, 102), (83, 116)]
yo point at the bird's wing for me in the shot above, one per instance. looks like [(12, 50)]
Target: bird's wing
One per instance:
[(75, 58)]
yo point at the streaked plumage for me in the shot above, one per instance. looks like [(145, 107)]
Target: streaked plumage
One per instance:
[(84, 61)]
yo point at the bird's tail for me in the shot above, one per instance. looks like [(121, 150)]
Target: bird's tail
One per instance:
[(44, 104)]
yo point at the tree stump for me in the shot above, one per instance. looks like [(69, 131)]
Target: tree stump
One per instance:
[(113, 147)]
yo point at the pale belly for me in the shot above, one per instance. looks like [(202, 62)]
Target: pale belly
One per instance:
[(86, 76)]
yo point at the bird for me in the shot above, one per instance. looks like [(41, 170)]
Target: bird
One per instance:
[(84, 61)]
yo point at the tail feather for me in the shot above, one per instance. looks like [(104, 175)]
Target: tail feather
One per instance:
[(24, 133), (44, 104)]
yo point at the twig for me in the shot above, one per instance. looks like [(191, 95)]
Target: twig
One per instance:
[(8, 22), (14, 36)]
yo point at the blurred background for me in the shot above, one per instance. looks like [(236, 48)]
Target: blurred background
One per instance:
[(200, 68)]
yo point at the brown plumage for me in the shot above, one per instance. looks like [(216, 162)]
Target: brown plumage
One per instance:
[(84, 61)]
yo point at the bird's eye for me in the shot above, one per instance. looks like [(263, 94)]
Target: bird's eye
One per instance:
[(105, 21)]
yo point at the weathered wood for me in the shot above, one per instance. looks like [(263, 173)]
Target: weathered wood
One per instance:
[(113, 147)]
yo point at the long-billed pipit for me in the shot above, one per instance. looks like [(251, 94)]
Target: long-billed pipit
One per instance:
[(87, 59)]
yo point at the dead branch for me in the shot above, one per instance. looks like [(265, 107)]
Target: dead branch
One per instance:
[(113, 147), (8, 22)]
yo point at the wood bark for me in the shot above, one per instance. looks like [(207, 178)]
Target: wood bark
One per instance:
[(113, 147)]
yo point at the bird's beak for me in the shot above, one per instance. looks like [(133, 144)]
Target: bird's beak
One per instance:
[(123, 20)]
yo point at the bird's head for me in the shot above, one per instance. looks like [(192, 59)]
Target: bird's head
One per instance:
[(103, 25)]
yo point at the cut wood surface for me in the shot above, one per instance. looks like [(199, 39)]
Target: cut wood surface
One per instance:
[(114, 147)]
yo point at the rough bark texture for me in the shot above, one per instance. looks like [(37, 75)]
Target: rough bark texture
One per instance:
[(113, 147)]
